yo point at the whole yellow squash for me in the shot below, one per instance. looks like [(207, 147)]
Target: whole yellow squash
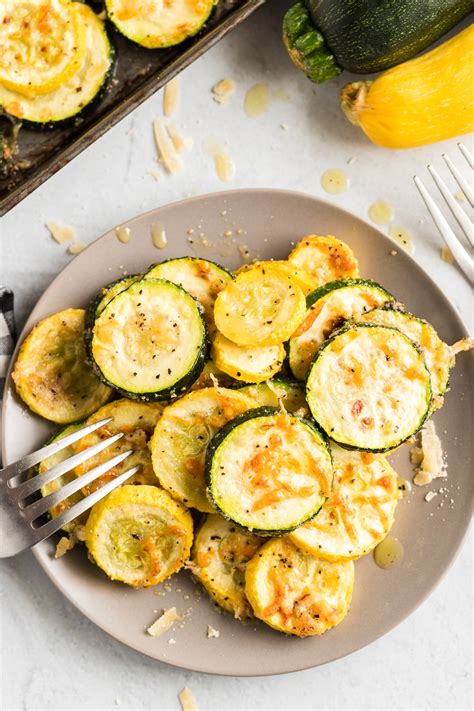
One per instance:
[(427, 99)]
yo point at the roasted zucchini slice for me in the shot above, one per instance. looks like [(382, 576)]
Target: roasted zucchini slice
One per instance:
[(136, 420), (139, 535), (304, 280), (98, 303), (438, 356), (157, 24), (69, 99), (325, 259), (369, 388), (51, 373), (261, 307), (268, 471), (279, 390), (358, 514), (62, 480), (150, 342), (297, 593), (221, 550), (202, 278), (43, 44), (179, 443), (252, 364), (328, 307)]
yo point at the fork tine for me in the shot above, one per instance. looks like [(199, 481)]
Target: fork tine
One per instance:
[(37, 508), (463, 184), (60, 521), (467, 154), (30, 460), (460, 254), (28, 487), (462, 219)]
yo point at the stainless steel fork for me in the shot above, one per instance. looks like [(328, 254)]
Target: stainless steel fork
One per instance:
[(20, 520), (460, 253)]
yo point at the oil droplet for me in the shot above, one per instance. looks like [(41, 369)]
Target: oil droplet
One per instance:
[(389, 553), (158, 235), (334, 181), (403, 238), (280, 95), (381, 212), (123, 234), (257, 100)]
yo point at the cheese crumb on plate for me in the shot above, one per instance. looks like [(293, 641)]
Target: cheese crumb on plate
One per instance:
[(164, 622)]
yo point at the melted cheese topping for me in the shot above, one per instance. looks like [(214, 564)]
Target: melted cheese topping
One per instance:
[(271, 473), (221, 552), (159, 23), (297, 593), (369, 388), (79, 89), (252, 365), (148, 337), (360, 511), (327, 314), (181, 437), (274, 393), (139, 535)]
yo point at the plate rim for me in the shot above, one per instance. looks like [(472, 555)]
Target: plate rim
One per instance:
[(148, 215)]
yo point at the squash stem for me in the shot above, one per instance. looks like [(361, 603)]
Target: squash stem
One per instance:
[(353, 97)]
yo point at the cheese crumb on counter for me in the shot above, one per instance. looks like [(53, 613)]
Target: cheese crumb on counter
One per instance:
[(187, 700), (61, 233), (76, 247), (180, 143), (212, 632), (167, 153), (223, 90), (164, 622), (428, 458), (171, 97)]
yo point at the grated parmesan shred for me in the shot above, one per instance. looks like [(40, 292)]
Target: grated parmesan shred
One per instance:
[(180, 143), (64, 545), (171, 97), (61, 233), (187, 700), (167, 153), (223, 90), (76, 247), (164, 622), (428, 458)]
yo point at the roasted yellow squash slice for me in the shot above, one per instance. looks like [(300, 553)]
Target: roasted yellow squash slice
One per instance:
[(304, 280), (179, 443), (137, 421), (51, 373), (360, 511), (42, 44), (139, 535), (297, 593), (325, 259), (221, 551), (252, 364), (261, 307)]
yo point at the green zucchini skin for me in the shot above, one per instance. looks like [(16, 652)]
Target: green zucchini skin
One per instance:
[(340, 284), (220, 436), (365, 36), (99, 301)]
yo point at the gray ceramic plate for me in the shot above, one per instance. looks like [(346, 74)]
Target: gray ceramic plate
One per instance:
[(431, 535)]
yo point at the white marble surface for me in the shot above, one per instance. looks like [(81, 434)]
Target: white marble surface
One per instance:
[(53, 658)]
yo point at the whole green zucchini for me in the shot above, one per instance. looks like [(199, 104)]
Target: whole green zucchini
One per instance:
[(323, 37)]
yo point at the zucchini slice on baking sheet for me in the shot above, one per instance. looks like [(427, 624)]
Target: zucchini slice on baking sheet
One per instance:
[(139, 535), (179, 443), (78, 91), (261, 307), (252, 364), (156, 24), (136, 420), (359, 512), (200, 277), (328, 307), (221, 550), (62, 480), (150, 342), (272, 392), (369, 387), (297, 593), (325, 259), (43, 43), (51, 373), (269, 471), (438, 356)]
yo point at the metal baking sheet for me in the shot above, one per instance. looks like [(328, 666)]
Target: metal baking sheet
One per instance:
[(138, 74)]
